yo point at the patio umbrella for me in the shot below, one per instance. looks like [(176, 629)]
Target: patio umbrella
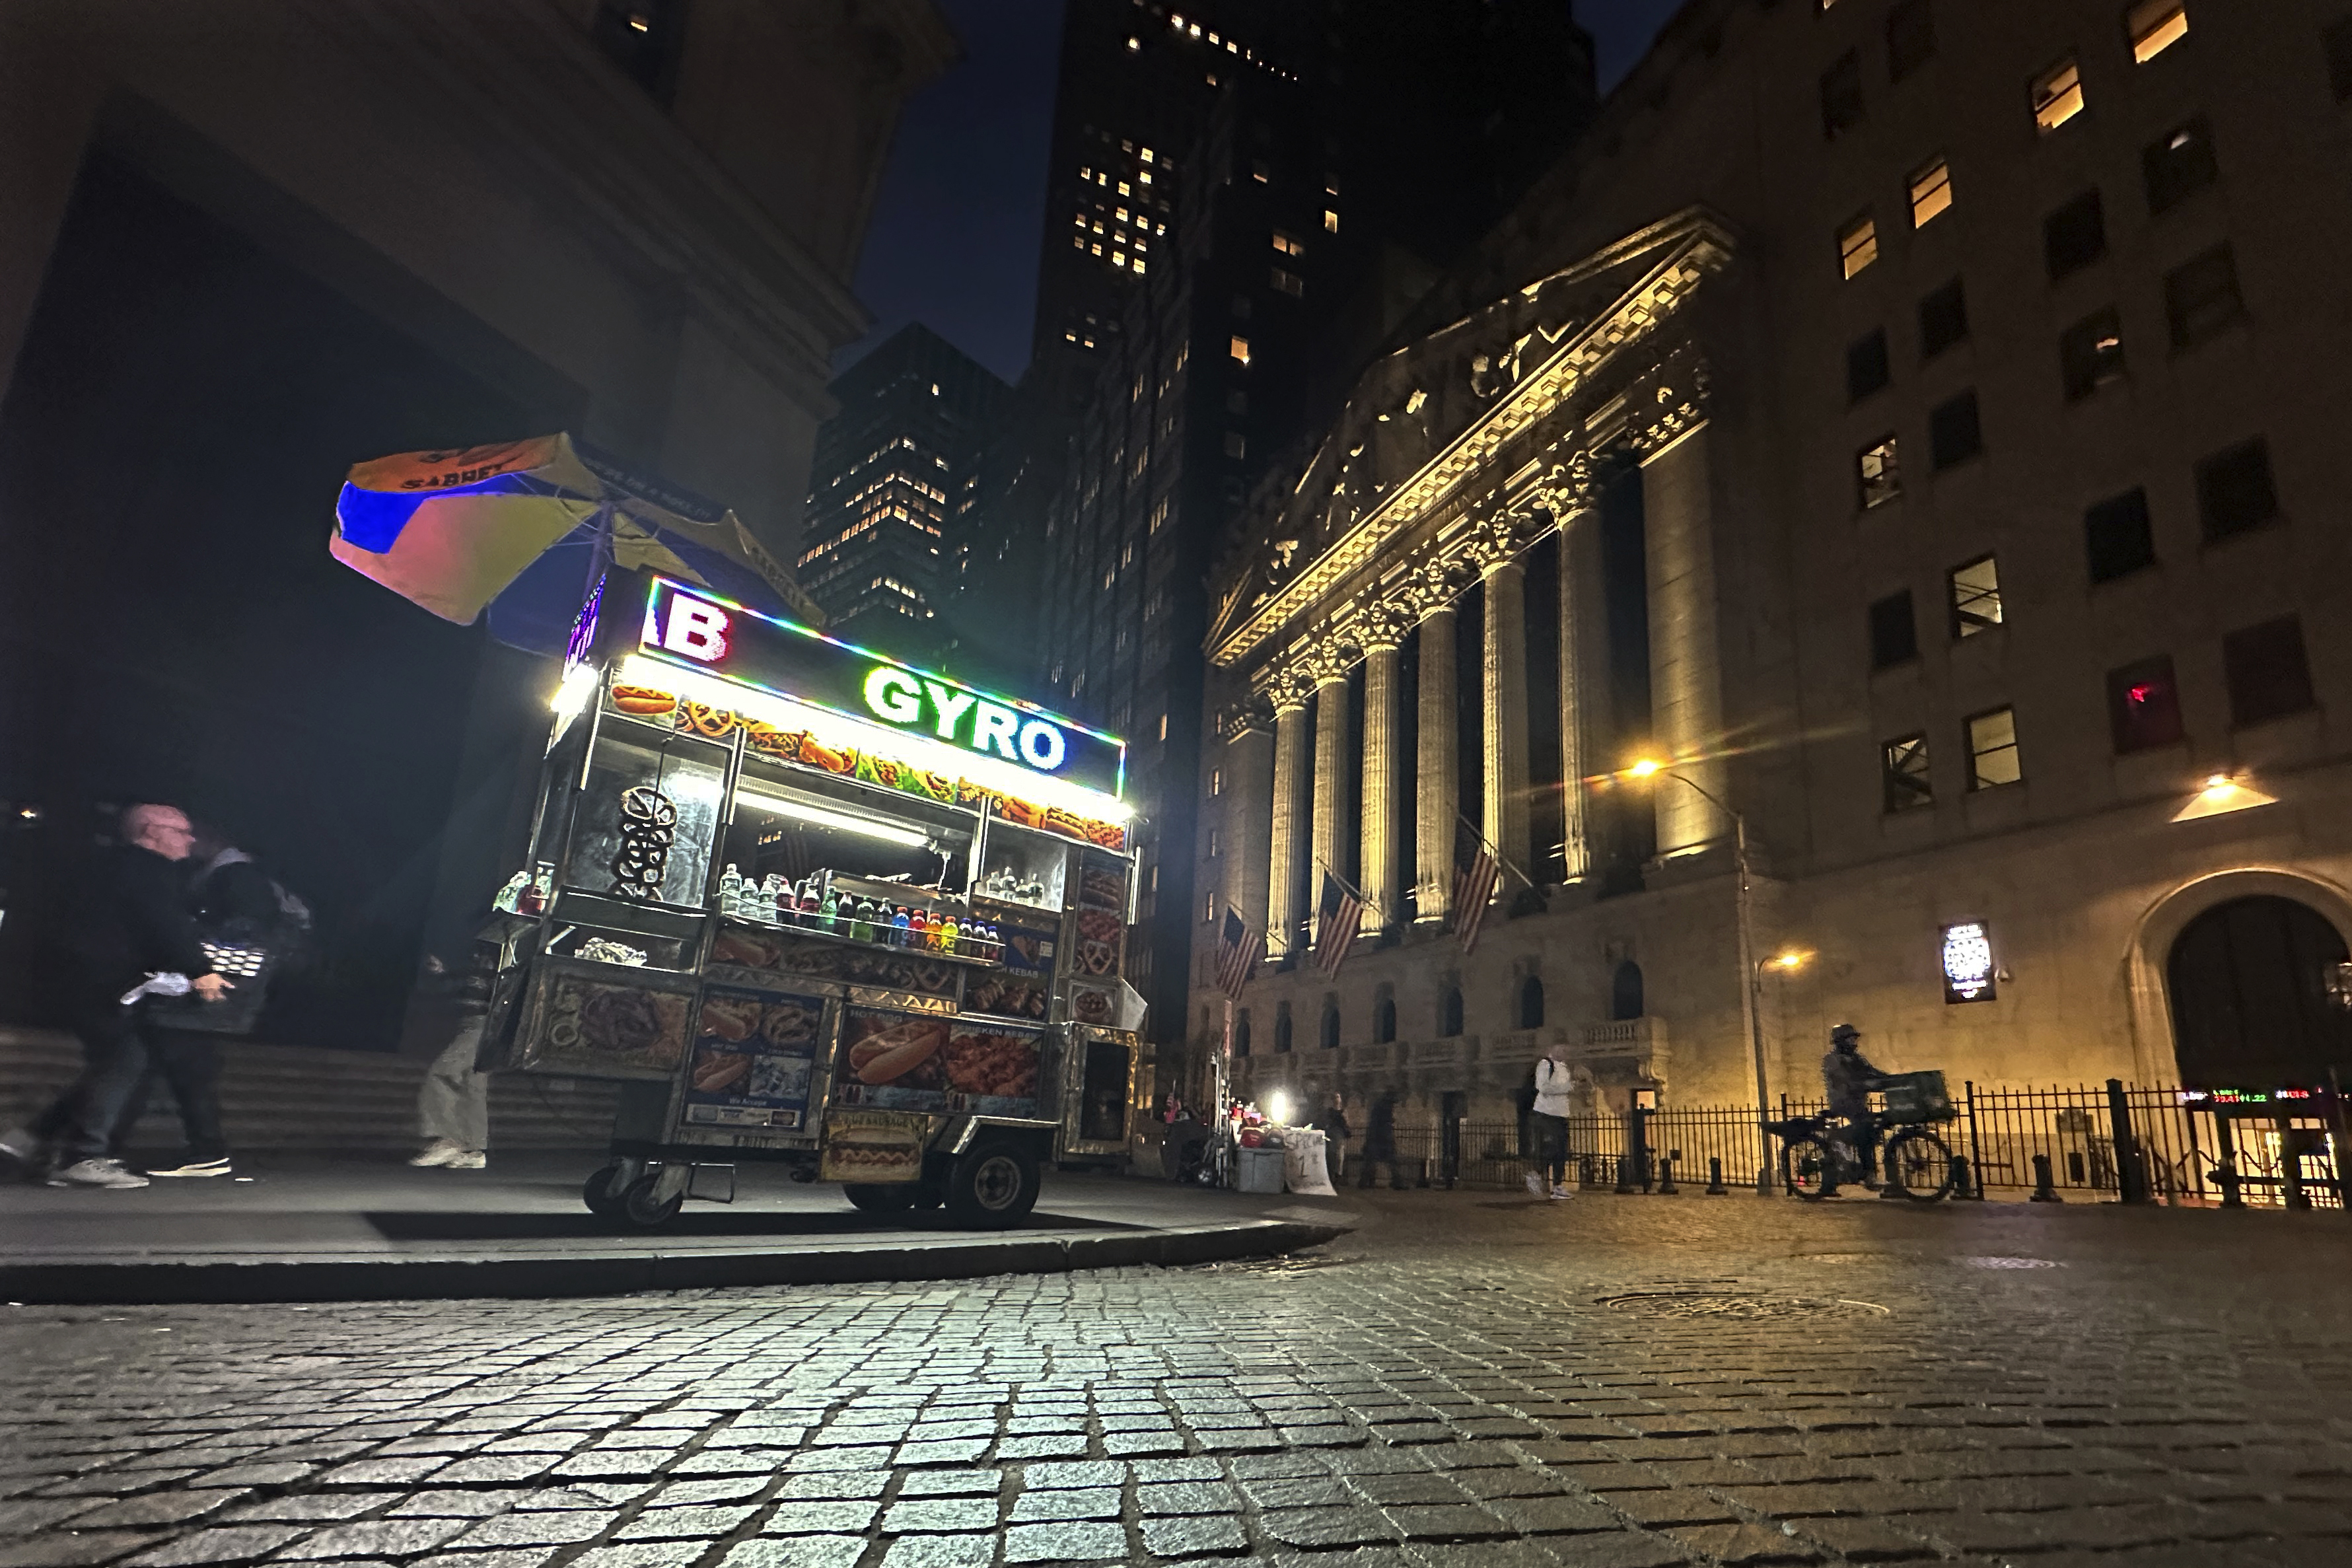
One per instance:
[(525, 530)]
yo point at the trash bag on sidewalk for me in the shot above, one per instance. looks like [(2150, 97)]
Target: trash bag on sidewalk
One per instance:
[(1304, 1169)]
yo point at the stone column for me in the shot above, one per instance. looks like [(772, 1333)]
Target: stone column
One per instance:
[(1506, 713), (1286, 840), (1583, 649), (1436, 784), (1331, 770), (1686, 667), (1249, 815), (1377, 844)]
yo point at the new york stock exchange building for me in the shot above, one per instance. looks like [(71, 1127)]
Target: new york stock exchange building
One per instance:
[(1865, 542)]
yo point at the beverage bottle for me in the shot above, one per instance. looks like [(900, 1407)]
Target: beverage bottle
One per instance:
[(832, 915), (771, 899), (510, 895), (534, 899), (861, 920), (730, 891), (995, 943), (954, 935), (901, 927)]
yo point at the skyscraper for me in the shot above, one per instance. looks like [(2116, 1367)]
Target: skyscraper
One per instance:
[(893, 487), (1241, 208)]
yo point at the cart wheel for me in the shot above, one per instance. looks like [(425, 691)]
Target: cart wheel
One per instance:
[(992, 1186), (883, 1200), (602, 1193), (639, 1206)]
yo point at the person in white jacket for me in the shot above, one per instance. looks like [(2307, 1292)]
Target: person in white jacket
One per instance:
[(1555, 1086)]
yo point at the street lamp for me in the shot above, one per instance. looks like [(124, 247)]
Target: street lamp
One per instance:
[(1751, 977)]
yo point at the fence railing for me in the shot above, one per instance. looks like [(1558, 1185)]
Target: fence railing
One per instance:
[(2115, 1142)]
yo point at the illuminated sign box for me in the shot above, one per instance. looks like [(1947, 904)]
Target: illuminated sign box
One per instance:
[(699, 632), (1967, 954)]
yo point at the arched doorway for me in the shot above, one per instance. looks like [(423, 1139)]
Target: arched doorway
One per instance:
[(2248, 980), (1625, 990)]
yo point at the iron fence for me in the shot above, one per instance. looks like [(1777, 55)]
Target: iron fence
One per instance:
[(2128, 1143)]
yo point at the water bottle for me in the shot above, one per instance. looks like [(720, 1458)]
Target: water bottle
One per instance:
[(771, 899), (730, 892)]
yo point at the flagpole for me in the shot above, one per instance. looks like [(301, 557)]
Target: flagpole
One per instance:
[(1500, 858)]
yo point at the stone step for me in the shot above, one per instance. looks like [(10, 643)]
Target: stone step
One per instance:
[(316, 1098)]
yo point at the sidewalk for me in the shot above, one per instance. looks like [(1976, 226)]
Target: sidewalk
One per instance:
[(303, 1229)]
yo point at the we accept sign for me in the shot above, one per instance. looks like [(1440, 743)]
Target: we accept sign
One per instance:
[(793, 661)]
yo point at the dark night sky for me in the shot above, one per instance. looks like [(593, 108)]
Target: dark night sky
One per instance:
[(957, 226)]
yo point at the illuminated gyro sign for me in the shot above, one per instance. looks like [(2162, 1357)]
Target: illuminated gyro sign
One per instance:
[(702, 631)]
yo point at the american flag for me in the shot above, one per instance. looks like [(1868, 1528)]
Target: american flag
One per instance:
[(1238, 951), (1473, 888), (1338, 914)]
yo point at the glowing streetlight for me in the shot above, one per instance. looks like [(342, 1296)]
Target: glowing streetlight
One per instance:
[(2223, 792)]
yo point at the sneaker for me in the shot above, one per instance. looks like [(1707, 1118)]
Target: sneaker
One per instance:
[(20, 1145), (466, 1160), (440, 1152), (192, 1167), (1561, 1195), (1534, 1184), (95, 1174)]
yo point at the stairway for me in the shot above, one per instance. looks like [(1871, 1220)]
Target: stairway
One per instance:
[(299, 1099)]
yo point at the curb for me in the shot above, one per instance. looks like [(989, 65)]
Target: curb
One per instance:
[(894, 1260)]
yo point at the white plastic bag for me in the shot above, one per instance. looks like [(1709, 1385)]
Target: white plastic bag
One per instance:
[(1304, 1169)]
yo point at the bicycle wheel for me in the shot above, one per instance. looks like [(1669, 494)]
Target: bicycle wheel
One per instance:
[(1919, 1165), (1809, 1168)]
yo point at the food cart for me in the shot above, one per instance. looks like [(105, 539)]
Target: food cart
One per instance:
[(812, 906)]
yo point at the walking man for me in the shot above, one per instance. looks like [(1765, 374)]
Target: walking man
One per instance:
[(1380, 1141), (133, 923), (1555, 1082), (453, 1103)]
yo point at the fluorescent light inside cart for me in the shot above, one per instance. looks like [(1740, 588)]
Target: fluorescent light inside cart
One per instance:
[(819, 816), (840, 729)]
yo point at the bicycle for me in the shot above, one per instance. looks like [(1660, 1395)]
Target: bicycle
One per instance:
[(1816, 1159)]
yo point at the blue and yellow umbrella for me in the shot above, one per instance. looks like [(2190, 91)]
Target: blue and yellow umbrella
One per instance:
[(525, 530)]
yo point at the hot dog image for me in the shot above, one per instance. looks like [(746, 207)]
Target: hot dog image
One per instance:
[(642, 700), (892, 1053), (730, 1017), (717, 1070)]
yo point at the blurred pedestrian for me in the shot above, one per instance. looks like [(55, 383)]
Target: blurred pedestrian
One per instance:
[(1555, 1082), (1332, 1119), (1380, 1141), (453, 1103), (132, 927)]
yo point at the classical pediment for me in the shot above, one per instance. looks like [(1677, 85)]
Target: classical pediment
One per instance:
[(1425, 426)]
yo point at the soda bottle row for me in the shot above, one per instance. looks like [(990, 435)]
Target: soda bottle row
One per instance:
[(814, 903)]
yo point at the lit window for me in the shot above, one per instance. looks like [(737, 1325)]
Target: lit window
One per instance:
[(1931, 192), (1878, 477), (1138, 266), (1146, 155), (2153, 26), (1288, 244), (1124, 191), (1903, 780), (2144, 705), (1330, 221), (1857, 246), (1289, 283), (1975, 597), (1992, 750), (2057, 95), (1209, 908), (1241, 350)]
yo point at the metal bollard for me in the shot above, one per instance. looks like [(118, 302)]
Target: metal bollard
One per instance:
[(1715, 1187), (1626, 1175), (2045, 1191), (2225, 1177), (1961, 1177), (1666, 1187)]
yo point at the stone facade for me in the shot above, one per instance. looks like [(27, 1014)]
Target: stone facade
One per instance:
[(1653, 392)]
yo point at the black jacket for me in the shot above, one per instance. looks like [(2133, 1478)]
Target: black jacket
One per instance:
[(239, 890), (133, 920), (1380, 1129)]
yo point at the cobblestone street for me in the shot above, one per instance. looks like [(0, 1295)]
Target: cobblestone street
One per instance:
[(1469, 1378)]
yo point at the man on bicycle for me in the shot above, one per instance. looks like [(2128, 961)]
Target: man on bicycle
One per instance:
[(1849, 1078)]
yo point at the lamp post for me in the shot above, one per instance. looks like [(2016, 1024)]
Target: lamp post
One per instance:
[(1751, 979)]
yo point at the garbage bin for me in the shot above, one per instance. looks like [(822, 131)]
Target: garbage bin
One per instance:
[(1261, 1171)]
